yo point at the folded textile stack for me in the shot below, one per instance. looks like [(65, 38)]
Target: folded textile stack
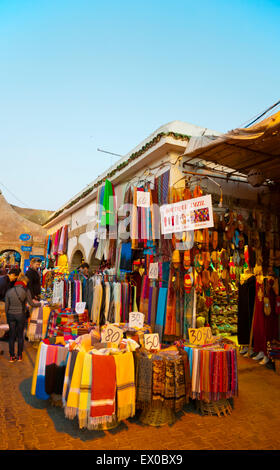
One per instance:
[(65, 321), (213, 372)]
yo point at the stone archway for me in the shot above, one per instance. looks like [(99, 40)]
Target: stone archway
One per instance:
[(78, 257), (93, 262)]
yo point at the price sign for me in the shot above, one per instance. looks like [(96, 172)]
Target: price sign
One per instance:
[(152, 342), (143, 199), (200, 336), (153, 271), (80, 307), (56, 300), (111, 334), (136, 320)]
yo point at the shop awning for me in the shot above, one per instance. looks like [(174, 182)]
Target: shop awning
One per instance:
[(242, 149)]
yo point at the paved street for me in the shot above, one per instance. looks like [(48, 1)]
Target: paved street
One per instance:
[(30, 424)]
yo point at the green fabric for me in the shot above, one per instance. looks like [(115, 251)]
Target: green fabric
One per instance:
[(108, 215)]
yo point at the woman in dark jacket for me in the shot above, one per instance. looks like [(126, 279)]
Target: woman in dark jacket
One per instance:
[(15, 308)]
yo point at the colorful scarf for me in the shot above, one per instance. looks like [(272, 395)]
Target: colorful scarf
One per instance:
[(125, 385), (161, 312), (40, 383), (144, 380), (103, 391), (68, 375), (85, 392), (158, 379), (72, 404)]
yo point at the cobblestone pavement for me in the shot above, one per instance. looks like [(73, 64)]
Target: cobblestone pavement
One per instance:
[(30, 424)]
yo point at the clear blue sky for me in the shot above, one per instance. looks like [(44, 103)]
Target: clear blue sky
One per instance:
[(78, 75)]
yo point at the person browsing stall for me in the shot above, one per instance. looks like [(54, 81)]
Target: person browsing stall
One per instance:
[(15, 308)]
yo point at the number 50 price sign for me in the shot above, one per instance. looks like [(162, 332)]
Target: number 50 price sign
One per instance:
[(151, 342)]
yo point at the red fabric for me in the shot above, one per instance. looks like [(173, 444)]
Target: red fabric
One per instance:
[(103, 385), (259, 327)]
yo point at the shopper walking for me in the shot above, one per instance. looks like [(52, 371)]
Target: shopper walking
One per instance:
[(7, 281), (34, 277), (15, 308)]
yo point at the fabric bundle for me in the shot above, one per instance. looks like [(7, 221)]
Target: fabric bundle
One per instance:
[(103, 391), (213, 373), (126, 394)]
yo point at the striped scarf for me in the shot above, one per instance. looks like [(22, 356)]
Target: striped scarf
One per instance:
[(126, 394), (40, 384), (103, 391), (85, 392), (39, 325), (72, 404), (31, 330)]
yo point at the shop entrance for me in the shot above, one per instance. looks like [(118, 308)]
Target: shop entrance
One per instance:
[(77, 259), (9, 259)]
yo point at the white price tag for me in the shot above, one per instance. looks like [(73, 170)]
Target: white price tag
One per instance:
[(151, 342), (80, 307), (136, 319), (111, 334), (143, 199), (56, 300), (153, 271)]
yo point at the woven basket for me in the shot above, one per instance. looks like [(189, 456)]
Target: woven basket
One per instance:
[(277, 366)]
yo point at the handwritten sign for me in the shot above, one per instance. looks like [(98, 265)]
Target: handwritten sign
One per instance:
[(136, 320), (111, 334), (151, 342), (80, 307), (143, 199), (200, 336), (153, 271)]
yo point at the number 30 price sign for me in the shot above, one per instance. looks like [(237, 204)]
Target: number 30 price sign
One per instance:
[(200, 336), (136, 319), (151, 342), (111, 334)]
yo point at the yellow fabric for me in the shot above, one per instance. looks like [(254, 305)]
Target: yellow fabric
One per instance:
[(96, 306), (62, 261), (72, 405), (125, 385), (35, 371), (85, 391), (46, 314)]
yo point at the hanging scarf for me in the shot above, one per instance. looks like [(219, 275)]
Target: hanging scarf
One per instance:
[(144, 380), (180, 388), (40, 384), (169, 392), (103, 390), (35, 371), (158, 379), (161, 312), (125, 385), (39, 325), (68, 375), (85, 392), (50, 369), (144, 299), (72, 405)]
